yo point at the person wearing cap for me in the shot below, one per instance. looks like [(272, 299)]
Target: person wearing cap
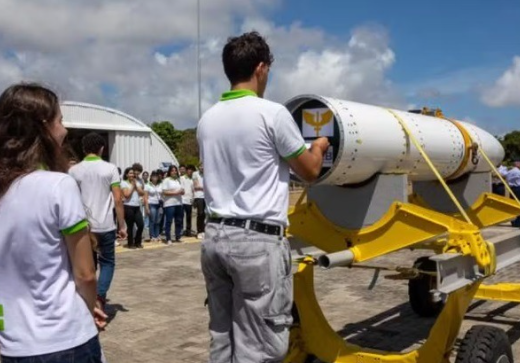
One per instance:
[(247, 145), (513, 180)]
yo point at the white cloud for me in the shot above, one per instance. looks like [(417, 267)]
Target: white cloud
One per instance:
[(354, 70), (145, 51), (506, 90)]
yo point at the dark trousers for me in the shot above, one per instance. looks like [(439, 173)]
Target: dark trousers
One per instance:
[(161, 220), (133, 216), (200, 204), (173, 213), (187, 213), (90, 352), (499, 189), (516, 190)]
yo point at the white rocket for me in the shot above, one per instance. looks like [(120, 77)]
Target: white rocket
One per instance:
[(366, 140)]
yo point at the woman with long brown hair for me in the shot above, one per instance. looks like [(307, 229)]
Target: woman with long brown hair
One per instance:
[(48, 280)]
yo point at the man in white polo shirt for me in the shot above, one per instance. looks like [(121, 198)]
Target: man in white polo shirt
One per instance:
[(247, 145), (99, 183)]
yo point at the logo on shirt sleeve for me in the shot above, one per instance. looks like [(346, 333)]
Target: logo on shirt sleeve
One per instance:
[(317, 122)]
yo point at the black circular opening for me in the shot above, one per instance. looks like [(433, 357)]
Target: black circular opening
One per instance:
[(315, 119)]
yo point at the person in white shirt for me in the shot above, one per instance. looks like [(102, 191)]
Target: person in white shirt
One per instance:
[(247, 145), (132, 193), (172, 196), (199, 203), (48, 308), (154, 192), (99, 183), (187, 198), (513, 179), (497, 185)]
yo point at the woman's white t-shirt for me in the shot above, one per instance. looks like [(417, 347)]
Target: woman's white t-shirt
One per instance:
[(154, 193), (198, 182), (42, 311), (134, 200), (173, 185)]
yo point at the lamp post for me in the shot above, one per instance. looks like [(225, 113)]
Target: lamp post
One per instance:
[(199, 86)]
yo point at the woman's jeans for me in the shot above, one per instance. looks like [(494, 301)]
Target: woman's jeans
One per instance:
[(90, 352), (155, 219), (173, 213)]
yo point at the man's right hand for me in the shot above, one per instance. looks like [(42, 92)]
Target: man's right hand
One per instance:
[(322, 143), (121, 233)]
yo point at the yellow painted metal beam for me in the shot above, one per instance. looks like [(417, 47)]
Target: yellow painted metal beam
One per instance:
[(500, 292), (404, 225), (489, 209)]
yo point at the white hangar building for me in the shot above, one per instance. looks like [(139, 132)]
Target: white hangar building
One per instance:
[(128, 139)]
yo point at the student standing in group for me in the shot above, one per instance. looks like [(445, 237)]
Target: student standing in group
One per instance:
[(187, 197), (199, 203), (99, 183), (132, 192), (161, 176), (154, 192), (247, 145), (145, 180), (48, 279), (172, 195), (182, 170)]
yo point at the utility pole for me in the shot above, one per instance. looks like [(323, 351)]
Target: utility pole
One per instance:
[(199, 81)]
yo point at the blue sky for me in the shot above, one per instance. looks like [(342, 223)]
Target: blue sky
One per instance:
[(139, 57), (447, 49)]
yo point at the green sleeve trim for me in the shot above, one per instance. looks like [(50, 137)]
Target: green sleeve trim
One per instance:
[(1, 311), (116, 184), (296, 153), (75, 228), (1, 325)]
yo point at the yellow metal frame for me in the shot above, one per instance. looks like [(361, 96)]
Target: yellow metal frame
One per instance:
[(404, 225), (313, 335)]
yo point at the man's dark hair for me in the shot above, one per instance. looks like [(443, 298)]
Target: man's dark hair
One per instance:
[(137, 167), (92, 143), (241, 56), (190, 167)]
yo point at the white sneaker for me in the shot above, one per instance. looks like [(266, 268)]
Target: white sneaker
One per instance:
[(200, 236), (117, 244), (169, 243)]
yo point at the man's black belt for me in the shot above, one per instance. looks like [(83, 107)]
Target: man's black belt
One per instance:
[(253, 225)]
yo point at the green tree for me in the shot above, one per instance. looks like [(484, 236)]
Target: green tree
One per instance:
[(167, 133), (183, 143), (511, 144), (188, 148)]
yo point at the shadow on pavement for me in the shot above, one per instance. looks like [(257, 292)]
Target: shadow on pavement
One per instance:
[(113, 309), (396, 329)]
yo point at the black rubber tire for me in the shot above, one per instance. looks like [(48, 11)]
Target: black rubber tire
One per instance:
[(485, 344), (419, 290)]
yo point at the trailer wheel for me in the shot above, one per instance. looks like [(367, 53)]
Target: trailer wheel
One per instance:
[(485, 344), (422, 301)]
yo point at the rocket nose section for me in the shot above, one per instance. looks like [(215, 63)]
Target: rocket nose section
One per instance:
[(486, 141)]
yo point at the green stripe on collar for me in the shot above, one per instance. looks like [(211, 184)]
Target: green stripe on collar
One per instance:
[(237, 93), (92, 158)]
